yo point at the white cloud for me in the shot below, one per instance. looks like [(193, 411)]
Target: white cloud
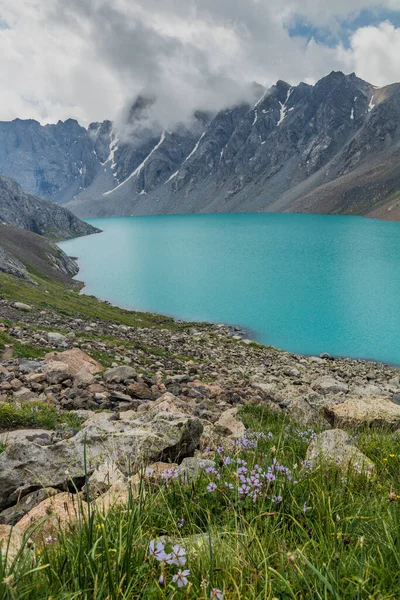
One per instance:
[(88, 58), (375, 53)]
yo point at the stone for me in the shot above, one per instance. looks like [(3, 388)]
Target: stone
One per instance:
[(117, 494), (83, 377), (13, 514), (334, 447), (36, 378), (372, 411), (329, 385), (23, 307), (191, 468), (11, 541), (77, 361), (131, 441), (59, 512), (304, 414), (24, 395), (29, 366), (118, 374), (396, 398), (16, 384), (230, 424), (205, 390), (57, 371), (104, 477), (21, 436), (57, 339), (139, 390)]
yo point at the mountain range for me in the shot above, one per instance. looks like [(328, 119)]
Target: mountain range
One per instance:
[(332, 147)]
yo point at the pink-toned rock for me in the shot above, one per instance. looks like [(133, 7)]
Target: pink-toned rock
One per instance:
[(58, 512), (77, 360), (11, 538)]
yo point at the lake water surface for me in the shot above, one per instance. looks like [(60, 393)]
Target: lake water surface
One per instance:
[(304, 283)]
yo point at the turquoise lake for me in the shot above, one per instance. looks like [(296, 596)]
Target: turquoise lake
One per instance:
[(304, 283)]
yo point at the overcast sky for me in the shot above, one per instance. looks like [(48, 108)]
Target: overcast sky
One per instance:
[(88, 59)]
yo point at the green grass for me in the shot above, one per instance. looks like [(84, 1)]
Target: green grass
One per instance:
[(22, 350), (37, 414), (344, 544), (51, 295)]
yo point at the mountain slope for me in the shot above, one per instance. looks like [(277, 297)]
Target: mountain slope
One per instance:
[(39, 216), (330, 148), (23, 254)]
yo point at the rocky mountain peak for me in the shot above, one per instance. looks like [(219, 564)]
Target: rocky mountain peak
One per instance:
[(263, 155)]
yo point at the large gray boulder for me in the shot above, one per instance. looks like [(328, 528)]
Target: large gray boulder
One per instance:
[(27, 465)]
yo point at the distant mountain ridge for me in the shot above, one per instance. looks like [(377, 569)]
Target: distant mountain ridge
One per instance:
[(329, 148)]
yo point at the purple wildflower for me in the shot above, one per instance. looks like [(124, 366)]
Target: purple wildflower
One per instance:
[(181, 577), (244, 489), (227, 460), (211, 487), (177, 556), (157, 551), (216, 594), (228, 485), (180, 523), (276, 499), (50, 539)]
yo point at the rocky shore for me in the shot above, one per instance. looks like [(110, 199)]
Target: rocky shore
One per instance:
[(93, 398)]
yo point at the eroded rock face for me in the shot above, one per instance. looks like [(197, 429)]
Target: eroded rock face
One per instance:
[(334, 447), (27, 465), (372, 411)]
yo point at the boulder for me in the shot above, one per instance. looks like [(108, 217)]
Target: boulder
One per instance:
[(372, 411), (305, 415), (139, 390), (11, 541), (329, 385), (58, 512), (57, 371), (23, 436), (117, 494), (10, 516), (23, 307), (24, 395), (199, 389), (191, 468), (83, 377), (57, 339), (396, 398), (131, 441), (230, 424), (76, 360), (334, 447), (118, 374), (104, 477)]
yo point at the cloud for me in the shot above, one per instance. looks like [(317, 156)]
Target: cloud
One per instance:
[(89, 58), (375, 53)]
